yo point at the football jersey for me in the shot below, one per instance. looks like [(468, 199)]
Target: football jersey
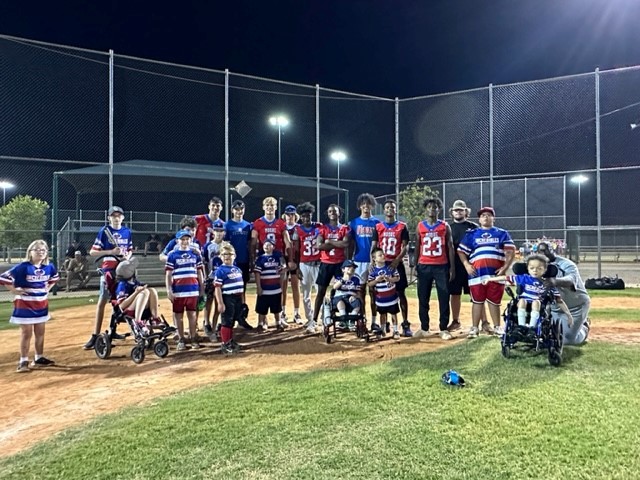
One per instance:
[(125, 288), (211, 256), (229, 279), (386, 294), (532, 288), (273, 230), (269, 268), (433, 243), (331, 232), (308, 238), (204, 225), (362, 231), (30, 306), (102, 242), (239, 235), (390, 237), (184, 265), (348, 287), (293, 236), (486, 251)]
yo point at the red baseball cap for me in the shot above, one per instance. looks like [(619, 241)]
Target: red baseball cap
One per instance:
[(487, 210)]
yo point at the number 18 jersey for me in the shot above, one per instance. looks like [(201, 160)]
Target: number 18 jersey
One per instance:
[(433, 243), (389, 238)]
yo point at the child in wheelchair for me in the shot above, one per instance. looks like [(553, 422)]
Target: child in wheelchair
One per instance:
[(531, 289), (346, 298)]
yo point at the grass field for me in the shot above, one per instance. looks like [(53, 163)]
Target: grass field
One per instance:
[(516, 419)]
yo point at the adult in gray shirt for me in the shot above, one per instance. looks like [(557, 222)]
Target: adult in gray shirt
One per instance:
[(573, 293)]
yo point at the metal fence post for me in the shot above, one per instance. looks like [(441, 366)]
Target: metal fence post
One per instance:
[(491, 143), (111, 86), (397, 150), (598, 184), (317, 151)]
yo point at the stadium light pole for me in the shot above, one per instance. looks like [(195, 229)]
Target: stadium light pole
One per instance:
[(4, 185), (281, 122), (579, 180), (338, 156)]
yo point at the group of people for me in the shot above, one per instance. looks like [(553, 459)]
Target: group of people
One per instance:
[(209, 262)]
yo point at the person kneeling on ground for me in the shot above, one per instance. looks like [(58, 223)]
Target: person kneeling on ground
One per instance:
[(135, 299)]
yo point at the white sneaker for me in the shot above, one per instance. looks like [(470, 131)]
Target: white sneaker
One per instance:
[(421, 334), (498, 330), (473, 332), (283, 318), (180, 347), (445, 335), (488, 329), (297, 319), (311, 327), (282, 324)]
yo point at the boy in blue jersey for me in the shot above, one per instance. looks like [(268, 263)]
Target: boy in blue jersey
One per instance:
[(187, 223), (533, 287), (238, 234), (347, 291), (268, 272), (229, 290), (362, 233)]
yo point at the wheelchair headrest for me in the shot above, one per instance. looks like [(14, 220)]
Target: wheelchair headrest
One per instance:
[(127, 268), (451, 377), (520, 268)]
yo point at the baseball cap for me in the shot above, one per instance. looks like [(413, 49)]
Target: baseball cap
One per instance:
[(77, 252), (218, 226), (290, 209), (115, 209), (269, 240), (184, 233), (459, 204), (487, 210), (237, 204), (348, 263)]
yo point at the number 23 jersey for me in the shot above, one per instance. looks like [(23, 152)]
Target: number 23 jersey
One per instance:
[(432, 243)]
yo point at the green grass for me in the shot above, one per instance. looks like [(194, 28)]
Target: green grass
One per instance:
[(54, 304), (518, 418), (627, 292)]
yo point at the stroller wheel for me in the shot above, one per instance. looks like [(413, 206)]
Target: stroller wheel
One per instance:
[(137, 354), (161, 349), (102, 346), (555, 357)]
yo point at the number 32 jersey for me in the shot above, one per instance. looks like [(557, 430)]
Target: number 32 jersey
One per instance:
[(432, 242), (389, 237)]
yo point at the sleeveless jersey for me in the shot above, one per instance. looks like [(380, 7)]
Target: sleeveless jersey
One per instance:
[(390, 237), (203, 224), (308, 237), (433, 243), (273, 230)]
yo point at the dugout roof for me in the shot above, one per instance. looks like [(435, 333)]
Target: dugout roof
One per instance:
[(152, 176)]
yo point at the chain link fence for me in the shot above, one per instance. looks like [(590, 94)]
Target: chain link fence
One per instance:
[(75, 126)]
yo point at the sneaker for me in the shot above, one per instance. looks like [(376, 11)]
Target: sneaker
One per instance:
[(91, 343), (473, 332), (587, 324), (244, 324), (283, 318), (455, 325), (282, 324), (406, 332), (181, 347), (229, 348), (263, 327), (311, 327), (422, 334), (487, 328), (195, 345), (342, 325), (351, 325), (42, 362), (445, 335), (23, 367), (117, 336), (297, 319), (396, 335), (375, 328), (156, 322), (498, 330), (208, 331)]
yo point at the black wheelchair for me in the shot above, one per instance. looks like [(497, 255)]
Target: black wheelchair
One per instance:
[(332, 323), (546, 335)]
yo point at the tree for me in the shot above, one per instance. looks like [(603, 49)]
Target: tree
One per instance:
[(411, 199), (22, 221)]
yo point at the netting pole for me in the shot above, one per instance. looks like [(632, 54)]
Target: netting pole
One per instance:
[(54, 220), (598, 184), (491, 144), (226, 144), (317, 152), (397, 150), (110, 128), (526, 211)]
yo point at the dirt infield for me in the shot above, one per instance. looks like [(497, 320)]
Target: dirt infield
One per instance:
[(41, 403)]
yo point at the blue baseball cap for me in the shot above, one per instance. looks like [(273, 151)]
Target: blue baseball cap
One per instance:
[(290, 209), (184, 233), (348, 263)]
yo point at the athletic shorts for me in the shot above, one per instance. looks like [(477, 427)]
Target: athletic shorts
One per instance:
[(362, 271), (266, 303), (491, 292), (327, 272), (460, 283), (180, 304), (391, 309)]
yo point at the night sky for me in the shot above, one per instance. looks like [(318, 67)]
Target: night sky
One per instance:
[(389, 48)]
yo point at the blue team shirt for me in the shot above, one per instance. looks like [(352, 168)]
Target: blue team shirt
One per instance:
[(184, 266), (32, 305), (348, 287), (532, 288), (239, 234), (125, 288), (386, 294), (229, 279), (102, 242), (362, 231), (486, 251), (211, 256), (269, 268)]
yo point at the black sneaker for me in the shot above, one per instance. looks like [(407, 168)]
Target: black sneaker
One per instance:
[(117, 336), (207, 329), (42, 362), (244, 324), (228, 348), (91, 343)]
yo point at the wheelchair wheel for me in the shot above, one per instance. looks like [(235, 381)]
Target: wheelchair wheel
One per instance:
[(151, 344), (506, 351), (161, 349), (102, 346), (137, 354), (326, 331), (555, 357)]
